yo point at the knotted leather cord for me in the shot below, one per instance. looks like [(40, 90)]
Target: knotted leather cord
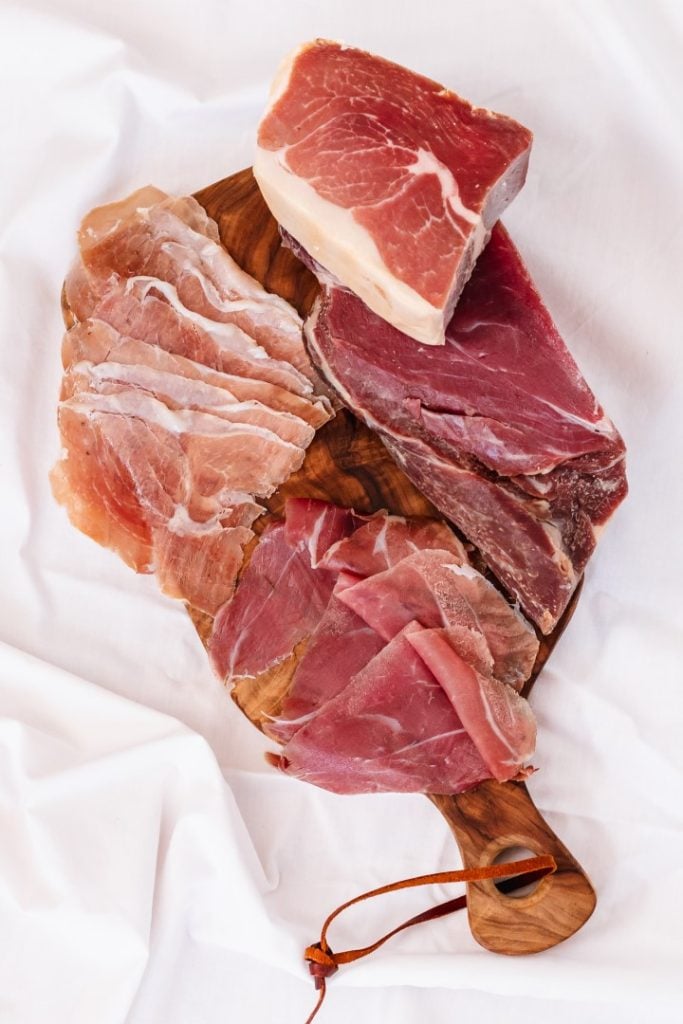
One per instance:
[(323, 963)]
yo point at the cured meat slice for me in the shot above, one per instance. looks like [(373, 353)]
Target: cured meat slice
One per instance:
[(177, 392), (96, 341), (317, 525), (499, 721), (340, 646), (278, 604), (389, 180), (145, 235), (134, 491), (217, 456), (391, 729), (497, 428), (151, 311), (384, 540), (436, 589)]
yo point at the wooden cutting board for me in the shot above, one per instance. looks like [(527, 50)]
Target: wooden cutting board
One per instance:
[(347, 464)]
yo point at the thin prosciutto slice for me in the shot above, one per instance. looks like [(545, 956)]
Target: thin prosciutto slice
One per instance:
[(437, 589), (340, 646), (155, 237), (317, 525), (384, 540), (279, 602), (178, 392), (499, 721), (96, 341), (391, 729), (150, 310)]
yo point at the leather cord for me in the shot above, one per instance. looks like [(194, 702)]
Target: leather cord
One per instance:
[(323, 963)]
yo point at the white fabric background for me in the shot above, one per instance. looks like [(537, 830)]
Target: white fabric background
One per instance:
[(152, 868)]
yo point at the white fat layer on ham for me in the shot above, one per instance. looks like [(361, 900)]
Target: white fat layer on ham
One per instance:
[(346, 249)]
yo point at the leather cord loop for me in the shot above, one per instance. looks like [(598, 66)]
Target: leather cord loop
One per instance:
[(323, 963)]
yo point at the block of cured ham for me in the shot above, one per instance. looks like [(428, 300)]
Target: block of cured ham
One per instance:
[(497, 428), (389, 180)]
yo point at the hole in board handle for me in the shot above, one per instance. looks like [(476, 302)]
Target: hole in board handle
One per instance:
[(511, 853)]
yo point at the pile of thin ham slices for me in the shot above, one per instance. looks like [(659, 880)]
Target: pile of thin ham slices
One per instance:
[(187, 395), (406, 661)]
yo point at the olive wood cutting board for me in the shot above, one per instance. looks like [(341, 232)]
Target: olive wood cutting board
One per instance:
[(348, 465)]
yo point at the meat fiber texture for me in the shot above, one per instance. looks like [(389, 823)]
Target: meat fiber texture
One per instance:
[(497, 428), (187, 396), (389, 180), (405, 660)]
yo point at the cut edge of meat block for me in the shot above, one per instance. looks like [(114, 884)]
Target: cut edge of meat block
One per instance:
[(350, 253)]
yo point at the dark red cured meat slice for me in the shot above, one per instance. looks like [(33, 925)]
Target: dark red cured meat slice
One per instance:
[(317, 525), (279, 602), (384, 540), (392, 729), (341, 645), (436, 589), (497, 428), (499, 721), (418, 171)]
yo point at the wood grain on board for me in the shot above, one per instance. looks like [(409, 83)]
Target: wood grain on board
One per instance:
[(348, 465)]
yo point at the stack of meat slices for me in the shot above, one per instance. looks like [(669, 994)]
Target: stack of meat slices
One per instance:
[(187, 395), (389, 187), (406, 661)]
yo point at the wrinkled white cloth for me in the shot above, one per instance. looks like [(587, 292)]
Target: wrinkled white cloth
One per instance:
[(152, 867)]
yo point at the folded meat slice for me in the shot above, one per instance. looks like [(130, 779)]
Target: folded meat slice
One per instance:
[(317, 525), (151, 311), (96, 341), (340, 646), (497, 428), (391, 729), (391, 181), (499, 721), (384, 540), (174, 241), (279, 602), (436, 589), (177, 392)]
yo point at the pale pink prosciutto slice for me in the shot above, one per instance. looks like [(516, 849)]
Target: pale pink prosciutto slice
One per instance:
[(279, 602), (177, 392), (436, 589), (497, 428), (391, 729), (384, 540), (317, 525), (216, 455), (151, 311), (156, 237), (499, 721), (96, 341), (340, 646), (133, 486), (389, 180)]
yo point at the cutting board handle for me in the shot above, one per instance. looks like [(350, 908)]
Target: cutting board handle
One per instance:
[(498, 816)]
